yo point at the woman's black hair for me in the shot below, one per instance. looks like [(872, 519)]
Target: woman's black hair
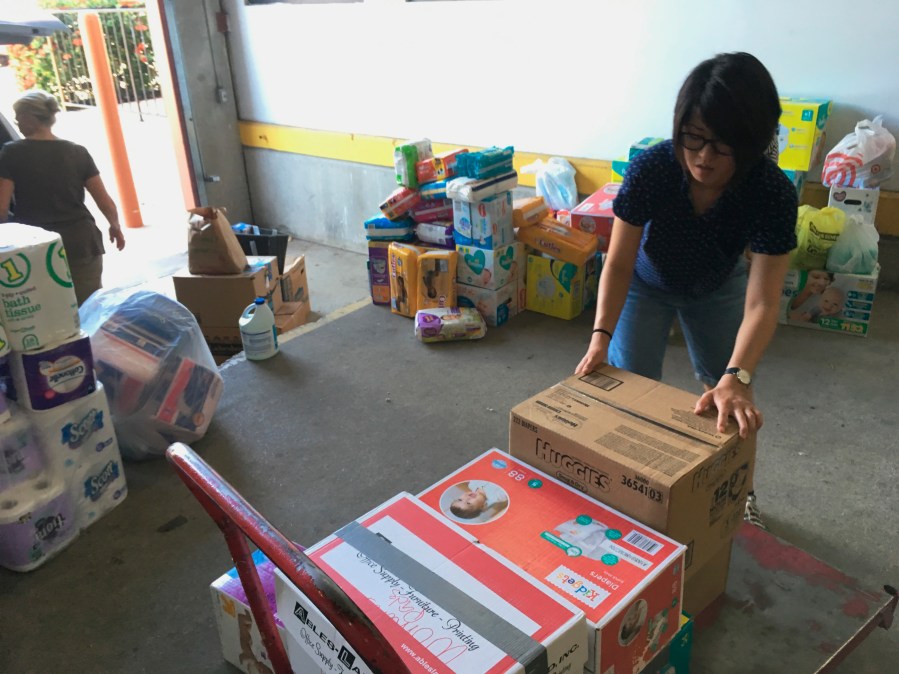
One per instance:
[(735, 96)]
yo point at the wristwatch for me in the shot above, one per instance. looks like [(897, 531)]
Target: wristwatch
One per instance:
[(742, 375)]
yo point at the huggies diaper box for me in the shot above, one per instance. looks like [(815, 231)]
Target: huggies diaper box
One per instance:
[(626, 577), (445, 602), (636, 445), (831, 301)]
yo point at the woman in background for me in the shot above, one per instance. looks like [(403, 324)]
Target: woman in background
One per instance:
[(48, 177), (685, 214)]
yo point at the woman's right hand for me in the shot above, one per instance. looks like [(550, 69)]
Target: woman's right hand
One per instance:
[(596, 355)]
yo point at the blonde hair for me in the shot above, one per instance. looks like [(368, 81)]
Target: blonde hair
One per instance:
[(38, 103)]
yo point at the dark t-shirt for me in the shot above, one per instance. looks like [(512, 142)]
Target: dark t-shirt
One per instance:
[(694, 254), (49, 177)]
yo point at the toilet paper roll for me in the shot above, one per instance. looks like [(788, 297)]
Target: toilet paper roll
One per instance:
[(76, 433), (37, 298), (22, 458), (4, 343), (54, 375), (37, 520), (97, 488)]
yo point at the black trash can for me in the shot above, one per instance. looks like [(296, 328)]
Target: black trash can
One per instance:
[(267, 242)]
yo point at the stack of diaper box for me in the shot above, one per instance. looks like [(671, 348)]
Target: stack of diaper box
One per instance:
[(60, 467)]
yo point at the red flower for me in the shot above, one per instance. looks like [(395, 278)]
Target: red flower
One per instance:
[(77, 41), (66, 57), (141, 26)]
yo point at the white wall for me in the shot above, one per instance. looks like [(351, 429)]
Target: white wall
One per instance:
[(572, 77)]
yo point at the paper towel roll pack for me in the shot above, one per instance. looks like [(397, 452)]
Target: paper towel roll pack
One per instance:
[(37, 298), (37, 520), (55, 374)]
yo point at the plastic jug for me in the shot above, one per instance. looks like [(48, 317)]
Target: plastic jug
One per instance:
[(257, 331)]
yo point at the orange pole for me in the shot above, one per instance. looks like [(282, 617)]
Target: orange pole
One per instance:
[(104, 92)]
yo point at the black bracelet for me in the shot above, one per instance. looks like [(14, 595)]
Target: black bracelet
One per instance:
[(603, 331)]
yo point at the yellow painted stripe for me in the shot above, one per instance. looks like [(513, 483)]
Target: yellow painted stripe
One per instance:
[(378, 151)]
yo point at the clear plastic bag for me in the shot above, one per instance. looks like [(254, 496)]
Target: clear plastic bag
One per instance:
[(160, 378), (555, 182), (864, 158), (855, 251)]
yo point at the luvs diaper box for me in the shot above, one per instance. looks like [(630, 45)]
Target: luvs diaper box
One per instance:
[(626, 577), (445, 602), (826, 300)]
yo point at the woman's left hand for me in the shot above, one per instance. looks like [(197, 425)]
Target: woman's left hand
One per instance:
[(116, 237), (732, 399)]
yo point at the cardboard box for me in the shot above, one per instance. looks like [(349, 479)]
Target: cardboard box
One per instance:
[(705, 583), (485, 224), (594, 214), (560, 241), (800, 136), (294, 286), (490, 269), (445, 602), (555, 288), (241, 642), (854, 201), (626, 577), (636, 445), (844, 305), (496, 306), (219, 300), (674, 658), (291, 315)]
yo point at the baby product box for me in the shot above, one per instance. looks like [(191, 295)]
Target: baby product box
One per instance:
[(496, 306), (855, 201), (378, 274), (551, 237), (489, 269), (636, 445), (594, 214), (825, 300), (674, 658), (619, 168), (626, 577), (801, 131), (241, 642), (555, 288), (291, 315), (485, 224), (445, 602)]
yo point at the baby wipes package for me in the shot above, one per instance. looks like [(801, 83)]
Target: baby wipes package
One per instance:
[(406, 156), (449, 324), (489, 269), (528, 211), (401, 201), (563, 243), (403, 268), (436, 279), (626, 577)]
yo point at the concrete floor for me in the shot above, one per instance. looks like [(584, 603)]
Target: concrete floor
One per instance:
[(355, 410)]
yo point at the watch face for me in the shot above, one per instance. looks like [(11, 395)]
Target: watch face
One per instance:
[(744, 377)]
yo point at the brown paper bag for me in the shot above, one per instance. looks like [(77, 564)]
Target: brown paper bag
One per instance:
[(212, 247)]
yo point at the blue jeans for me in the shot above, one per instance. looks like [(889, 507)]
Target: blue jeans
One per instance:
[(710, 324)]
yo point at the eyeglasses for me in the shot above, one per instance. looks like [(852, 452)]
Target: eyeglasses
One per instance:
[(695, 143)]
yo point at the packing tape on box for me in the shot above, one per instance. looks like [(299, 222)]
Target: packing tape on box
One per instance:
[(37, 297)]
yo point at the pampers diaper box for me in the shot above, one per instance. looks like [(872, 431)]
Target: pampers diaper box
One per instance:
[(445, 602), (801, 131), (554, 287), (489, 269), (496, 306), (626, 577), (825, 300)]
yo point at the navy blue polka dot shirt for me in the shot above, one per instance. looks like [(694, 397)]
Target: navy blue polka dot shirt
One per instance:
[(692, 254)]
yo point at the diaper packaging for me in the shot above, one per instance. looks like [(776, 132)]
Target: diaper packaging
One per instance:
[(488, 163), (489, 269), (454, 605), (554, 287), (436, 279), (485, 224), (437, 233), (403, 269), (431, 210), (472, 189), (496, 306), (434, 190), (381, 228), (378, 272), (449, 324), (439, 167), (561, 242), (400, 202), (37, 298), (619, 168), (627, 578), (405, 157), (640, 145), (54, 374), (594, 215), (528, 211)]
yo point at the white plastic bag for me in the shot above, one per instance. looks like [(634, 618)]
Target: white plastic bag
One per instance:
[(855, 251), (555, 182), (864, 158)]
